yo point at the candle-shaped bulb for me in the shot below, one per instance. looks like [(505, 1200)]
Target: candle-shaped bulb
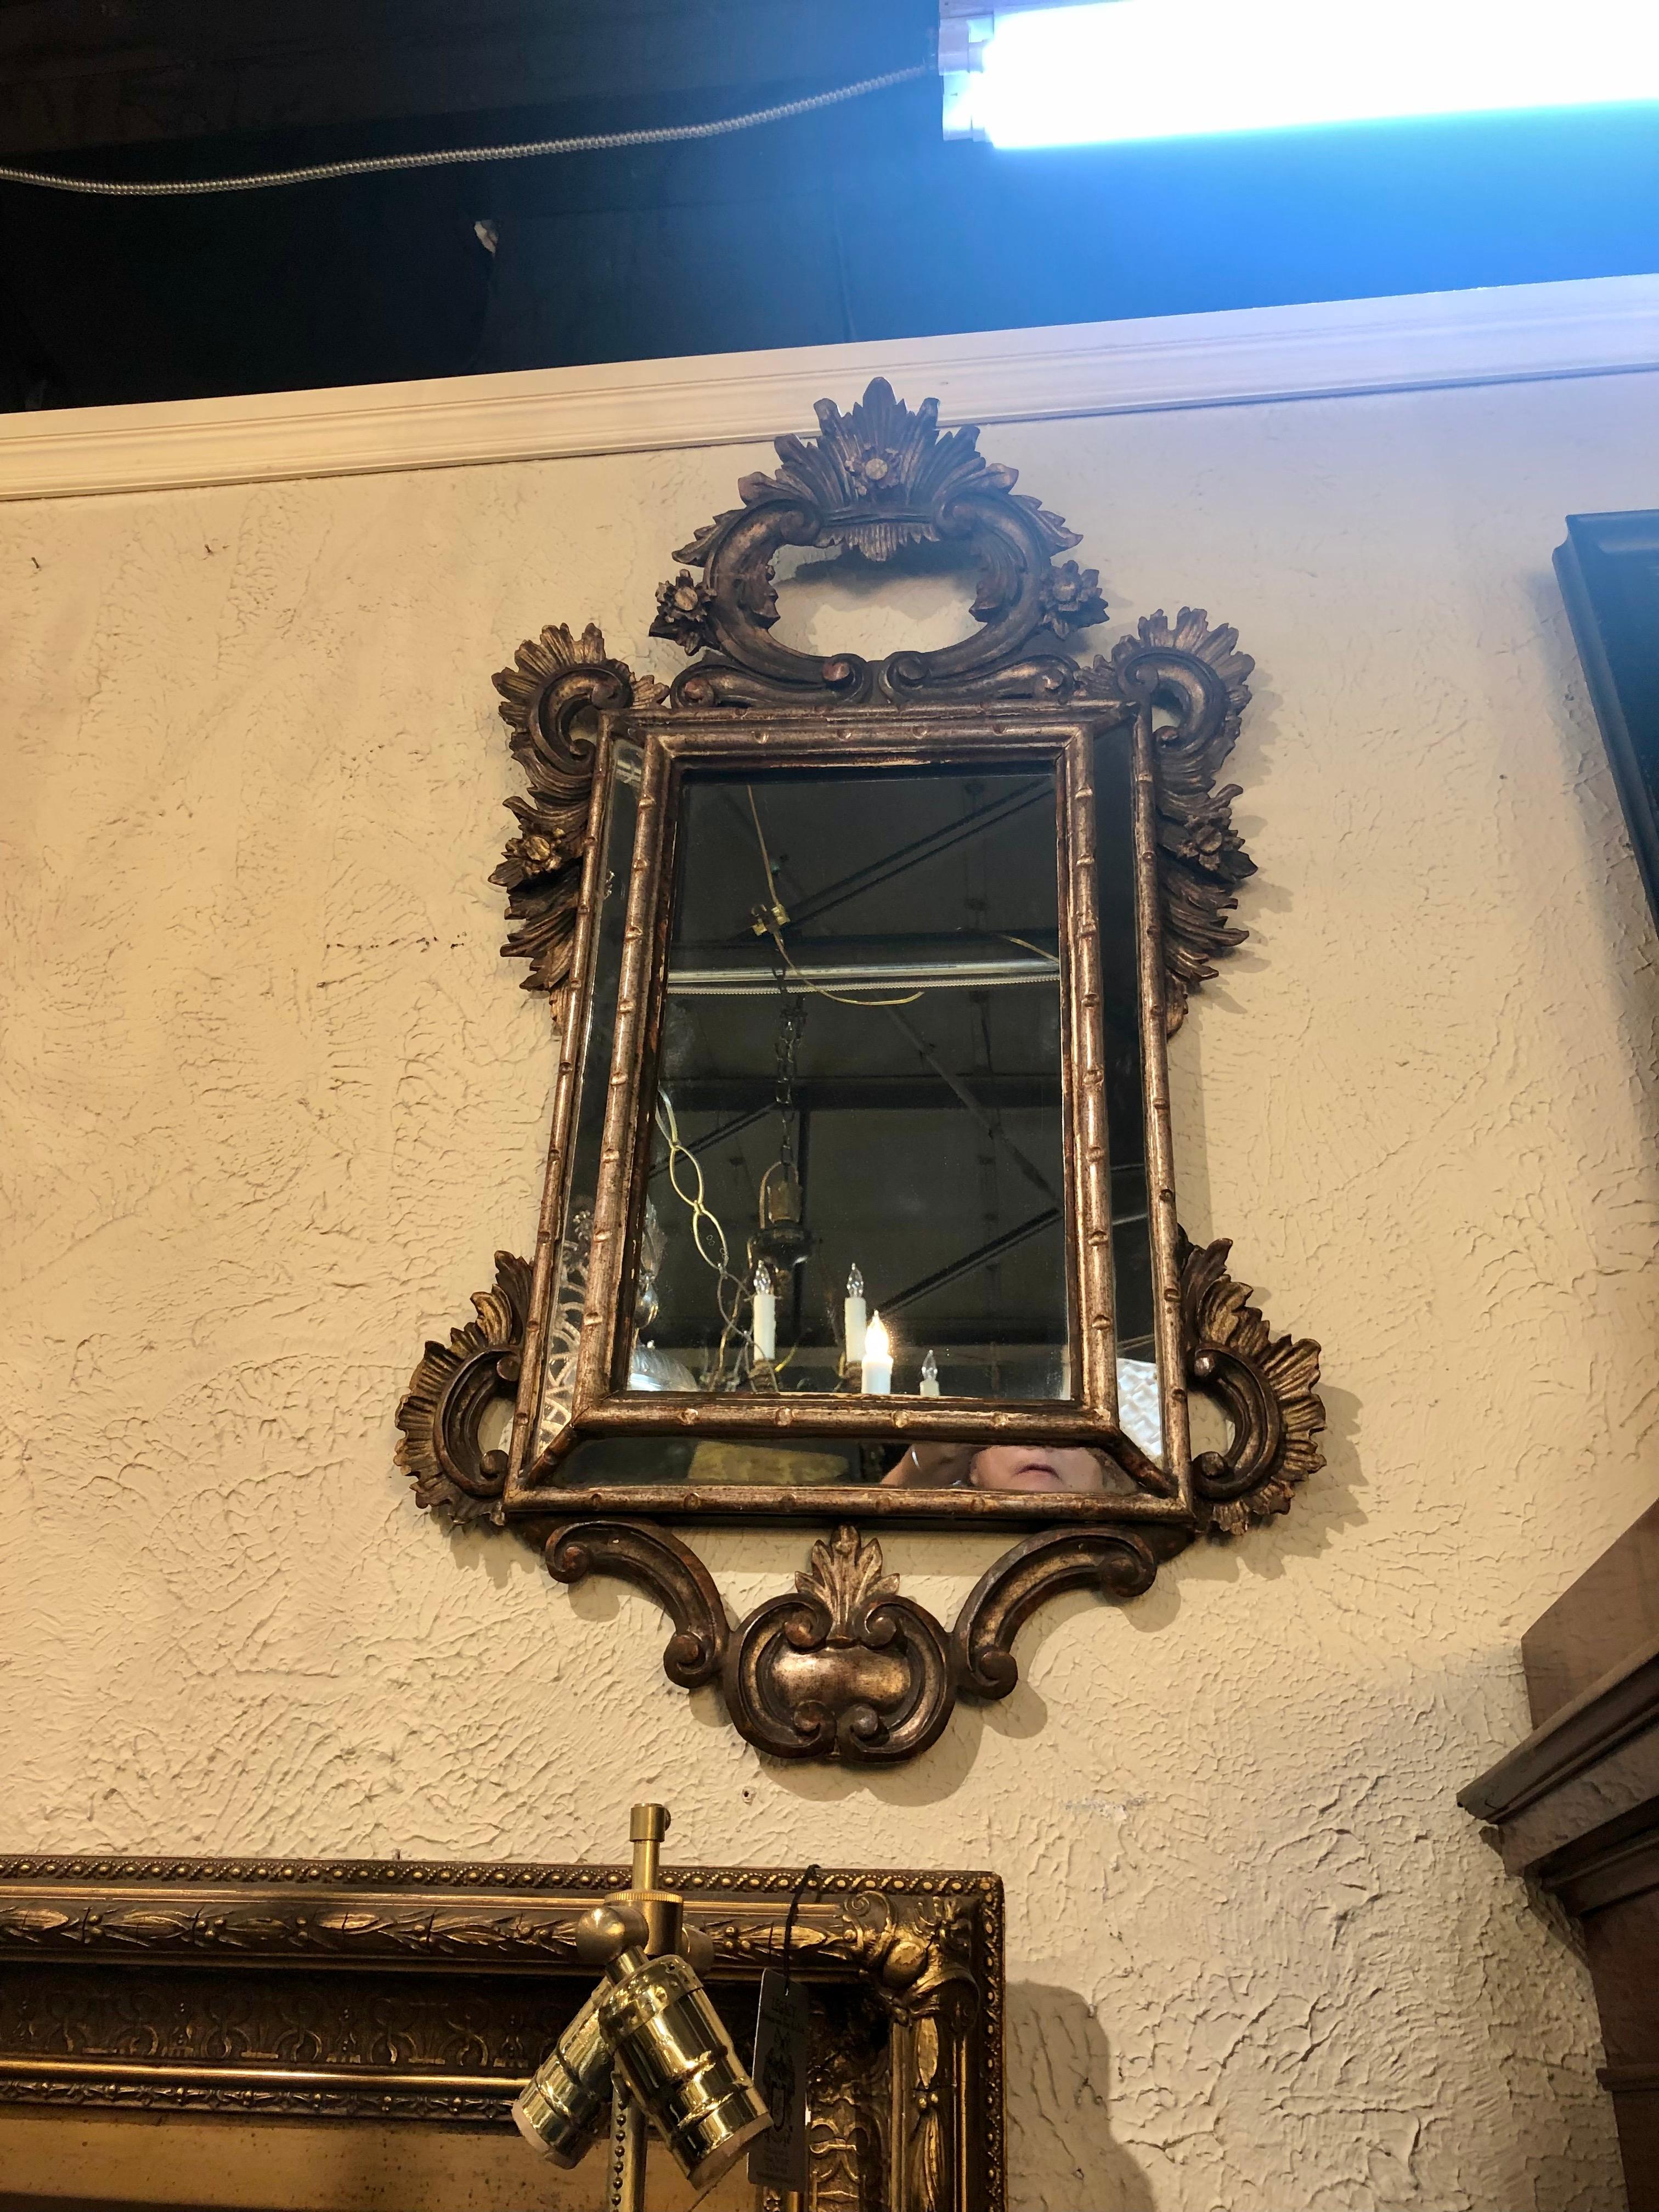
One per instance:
[(878, 1359), (853, 1316), (929, 1377), (765, 1329)]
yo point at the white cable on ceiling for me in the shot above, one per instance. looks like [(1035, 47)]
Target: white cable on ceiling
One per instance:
[(672, 134)]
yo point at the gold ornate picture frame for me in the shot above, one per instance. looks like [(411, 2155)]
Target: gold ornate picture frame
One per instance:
[(426, 1993)]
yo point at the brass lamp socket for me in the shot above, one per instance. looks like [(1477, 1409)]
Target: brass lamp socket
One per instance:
[(676, 2058), (565, 2106)]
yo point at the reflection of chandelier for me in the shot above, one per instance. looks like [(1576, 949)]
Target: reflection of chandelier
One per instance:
[(648, 2044), (781, 1241), (782, 1238)]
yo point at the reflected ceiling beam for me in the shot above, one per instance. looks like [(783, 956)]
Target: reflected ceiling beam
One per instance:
[(988, 1122), (831, 1094), (983, 1256), (911, 856)]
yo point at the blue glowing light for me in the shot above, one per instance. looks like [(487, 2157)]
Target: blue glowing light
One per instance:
[(1123, 69)]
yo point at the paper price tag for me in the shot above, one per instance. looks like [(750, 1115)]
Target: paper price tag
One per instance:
[(779, 2157)]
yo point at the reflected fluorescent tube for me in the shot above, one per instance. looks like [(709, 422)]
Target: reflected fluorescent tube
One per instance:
[(1123, 69)]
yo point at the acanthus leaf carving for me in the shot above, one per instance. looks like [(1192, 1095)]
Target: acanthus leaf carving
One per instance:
[(876, 478), (916, 1949), (846, 1668), (1196, 674), (555, 679)]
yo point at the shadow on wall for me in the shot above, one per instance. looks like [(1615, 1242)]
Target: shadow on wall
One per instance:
[(1060, 2131)]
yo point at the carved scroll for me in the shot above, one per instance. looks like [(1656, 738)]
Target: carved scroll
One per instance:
[(451, 1391), (1265, 1383), (658, 1563), (1120, 1563), (844, 1667), (1196, 676)]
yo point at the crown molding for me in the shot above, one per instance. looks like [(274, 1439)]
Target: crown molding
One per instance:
[(1521, 333)]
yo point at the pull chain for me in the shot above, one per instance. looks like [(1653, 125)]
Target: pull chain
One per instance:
[(791, 1022)]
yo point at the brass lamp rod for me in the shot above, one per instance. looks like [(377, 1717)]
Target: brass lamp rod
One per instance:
[(646, 1827)]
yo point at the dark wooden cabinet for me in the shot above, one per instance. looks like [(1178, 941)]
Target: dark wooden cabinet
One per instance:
[(1577, 1809)]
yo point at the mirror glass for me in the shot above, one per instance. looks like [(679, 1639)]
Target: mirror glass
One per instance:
[(1139, 1410), (857, 1179), (592, 1059)]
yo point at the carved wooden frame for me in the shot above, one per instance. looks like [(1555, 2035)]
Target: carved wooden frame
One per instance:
[(672, 742), (868, 1676), (395, 1991), (844, 1667)]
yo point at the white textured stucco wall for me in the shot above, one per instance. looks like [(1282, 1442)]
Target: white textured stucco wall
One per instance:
[(272, 1100)]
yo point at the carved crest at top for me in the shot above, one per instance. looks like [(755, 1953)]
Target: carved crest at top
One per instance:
[(881, 476), (876, 478)]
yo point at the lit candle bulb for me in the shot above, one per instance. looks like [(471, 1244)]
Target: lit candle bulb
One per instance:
[(764, 1327), (878, 1359), (929, 1377), (853, 1313)]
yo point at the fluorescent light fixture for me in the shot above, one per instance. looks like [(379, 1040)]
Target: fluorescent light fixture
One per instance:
[(1121, 69)]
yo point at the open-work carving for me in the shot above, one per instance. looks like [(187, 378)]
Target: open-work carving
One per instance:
[(873, 480), (170, 1984), (877, 479), (844, 1667)]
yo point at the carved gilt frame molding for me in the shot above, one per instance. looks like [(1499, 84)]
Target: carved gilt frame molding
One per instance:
[(844, 1667), (404, 1991)]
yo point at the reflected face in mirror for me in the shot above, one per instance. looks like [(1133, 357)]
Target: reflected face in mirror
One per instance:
[(1028, 1469), (1035, 1466)]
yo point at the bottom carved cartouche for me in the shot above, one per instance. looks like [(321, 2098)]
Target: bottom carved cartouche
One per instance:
[(844, 1667)]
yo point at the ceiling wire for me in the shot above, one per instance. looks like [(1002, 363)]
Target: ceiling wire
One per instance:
[(610, 141)]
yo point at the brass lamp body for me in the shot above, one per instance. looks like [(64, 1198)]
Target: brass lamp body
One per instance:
[(648, 2043)]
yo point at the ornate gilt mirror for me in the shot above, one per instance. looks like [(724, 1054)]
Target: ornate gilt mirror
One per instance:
[(860, 1202)]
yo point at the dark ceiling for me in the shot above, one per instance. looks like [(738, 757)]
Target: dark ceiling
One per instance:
[(856, 223)]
